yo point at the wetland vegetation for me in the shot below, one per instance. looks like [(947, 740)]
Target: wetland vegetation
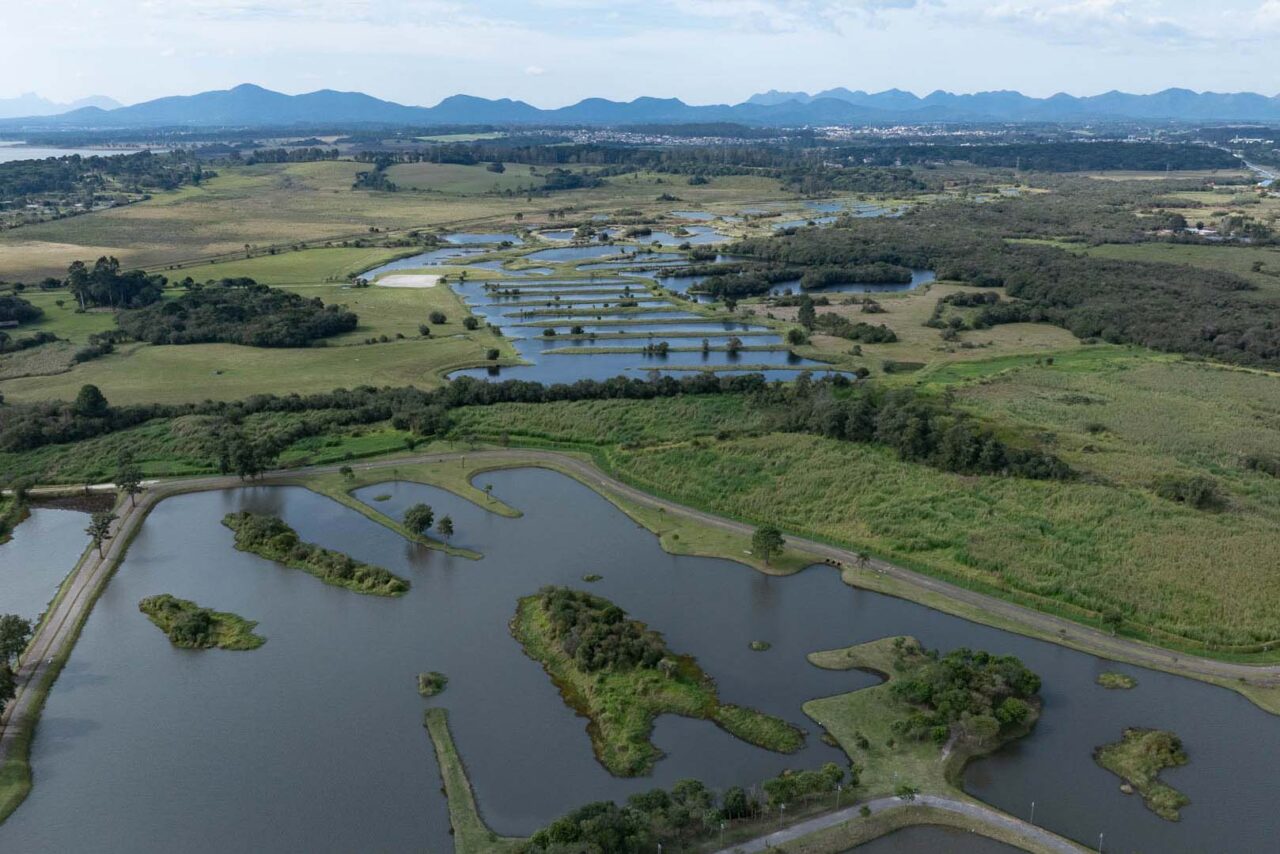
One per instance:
[(189, 626), (619, 674), (1138, 758), (271, 538)]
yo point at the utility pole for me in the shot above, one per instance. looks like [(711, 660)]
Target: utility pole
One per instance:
[(1033, 812)]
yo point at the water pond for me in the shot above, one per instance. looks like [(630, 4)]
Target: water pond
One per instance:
[(314, 742), (43, 549)]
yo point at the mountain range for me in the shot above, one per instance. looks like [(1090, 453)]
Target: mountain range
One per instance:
[(248, 105), (31, 104)]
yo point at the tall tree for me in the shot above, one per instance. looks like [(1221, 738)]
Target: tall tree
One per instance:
[(767, 541), (129, 478), (15, 631), (445, 527), (418, 519), (99, 529)]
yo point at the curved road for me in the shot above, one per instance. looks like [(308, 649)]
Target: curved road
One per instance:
[(1028, 833), (57, 633)]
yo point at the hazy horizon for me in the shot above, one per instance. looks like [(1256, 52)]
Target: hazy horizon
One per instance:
[(551, 53)]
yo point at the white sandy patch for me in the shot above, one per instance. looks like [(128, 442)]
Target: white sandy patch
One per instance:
[(408, 280)]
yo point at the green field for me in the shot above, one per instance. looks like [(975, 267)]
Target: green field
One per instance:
[(140, 373), (282, 205), (1181, 576)]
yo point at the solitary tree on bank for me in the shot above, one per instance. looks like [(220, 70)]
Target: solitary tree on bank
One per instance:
[(767, 541)]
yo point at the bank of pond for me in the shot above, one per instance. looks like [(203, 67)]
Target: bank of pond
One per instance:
[(329, 698)]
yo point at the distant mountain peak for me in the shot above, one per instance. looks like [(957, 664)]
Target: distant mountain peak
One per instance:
[(251, 105)]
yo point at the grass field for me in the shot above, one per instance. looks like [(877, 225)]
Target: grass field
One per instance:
[(1178, 575), (284, 204), (906, 313), (170, 374)]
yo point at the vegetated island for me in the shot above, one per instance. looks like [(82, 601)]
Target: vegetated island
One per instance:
[(620, 675), (270, 537), (432, 683), (932, 715), (191, 627), (1117, 681), (1138, 759)]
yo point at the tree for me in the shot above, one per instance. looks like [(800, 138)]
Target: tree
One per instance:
[(347, 472), (445, 527), (418, 519), (906, 792), (806, 316), (90, 402), (488, 491), (129, 478), (8, 685), (99, 529), (15, 631), (767, 541)]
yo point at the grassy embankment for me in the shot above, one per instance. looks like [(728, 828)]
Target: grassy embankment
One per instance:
[(470, 836), (12, 511), (861, 722), (189, 626), (1138, 759), (271, 538), (621, 703)]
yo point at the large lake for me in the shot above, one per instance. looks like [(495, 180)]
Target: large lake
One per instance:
[(314, 742), (11, 151)]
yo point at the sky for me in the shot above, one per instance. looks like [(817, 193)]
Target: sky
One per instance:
[(556, 52)]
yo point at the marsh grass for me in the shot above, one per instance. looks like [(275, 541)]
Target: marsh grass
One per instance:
[(1139, 758)]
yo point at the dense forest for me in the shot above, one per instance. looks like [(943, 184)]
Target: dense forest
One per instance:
[(237, 311), (964, 694), (85, 177), (597, 634)]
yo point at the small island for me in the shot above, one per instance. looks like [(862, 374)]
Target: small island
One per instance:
[(432, 683), (932, 715), (270, 537), (1138, 758), (1113, 681), (191, 627), (760, 646), (620, 675)]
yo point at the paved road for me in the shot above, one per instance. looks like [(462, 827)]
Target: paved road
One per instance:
[(61, 626), (977, 812)]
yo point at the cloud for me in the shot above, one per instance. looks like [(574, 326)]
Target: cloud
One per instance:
[(535, 70), (1091, 22), (1267, 18)]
